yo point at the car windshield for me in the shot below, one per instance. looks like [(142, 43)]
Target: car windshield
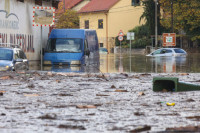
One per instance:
[(179, 51), (67, 45), (6, 54)]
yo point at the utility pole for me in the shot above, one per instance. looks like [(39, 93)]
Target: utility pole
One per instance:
[(64, 5), (156, 25), (172, 16)]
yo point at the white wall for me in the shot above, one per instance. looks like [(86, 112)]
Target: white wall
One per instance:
[(16, 27)]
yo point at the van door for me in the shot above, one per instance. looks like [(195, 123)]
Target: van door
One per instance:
[(86, 52)]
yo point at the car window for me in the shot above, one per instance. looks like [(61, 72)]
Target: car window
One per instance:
[(17, 56), (157, 52), (179, 51), (168, 51), (163, 51), (22, 55)]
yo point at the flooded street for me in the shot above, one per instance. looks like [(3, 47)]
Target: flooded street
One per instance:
[(73, 102), (118, 98), (113, 63), (140, 63)]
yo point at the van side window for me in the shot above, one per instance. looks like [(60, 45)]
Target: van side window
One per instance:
[(86, 45)]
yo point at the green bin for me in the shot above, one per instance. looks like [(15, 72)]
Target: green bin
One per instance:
[(172, 84)]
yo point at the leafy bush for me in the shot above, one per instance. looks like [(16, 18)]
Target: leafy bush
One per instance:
[(141, 38)]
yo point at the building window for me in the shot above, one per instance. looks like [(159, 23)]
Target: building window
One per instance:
[(20, 0), (100, 23), (101, 44), (38, 2), (86, 24), (55, 4), (135, 2)]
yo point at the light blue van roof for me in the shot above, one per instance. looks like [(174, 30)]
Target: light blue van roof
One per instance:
[(68, 33)]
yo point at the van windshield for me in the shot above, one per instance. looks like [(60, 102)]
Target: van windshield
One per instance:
[(67, 45)]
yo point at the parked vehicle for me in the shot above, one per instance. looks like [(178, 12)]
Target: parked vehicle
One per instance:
[(12, 58), (169, 52), (103, 51), (72, 47)]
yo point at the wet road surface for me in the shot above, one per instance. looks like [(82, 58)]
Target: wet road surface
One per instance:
[(114, 63), (36, 101)]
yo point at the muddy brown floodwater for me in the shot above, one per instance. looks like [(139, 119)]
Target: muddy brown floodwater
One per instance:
[(36, 101)]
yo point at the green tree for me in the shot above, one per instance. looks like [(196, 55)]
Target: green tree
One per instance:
[(186, 16), (141, 38), (149, 16), (66, 19)]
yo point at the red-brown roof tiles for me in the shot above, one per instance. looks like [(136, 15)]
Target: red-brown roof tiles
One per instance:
[(71, 3), (98, 5)]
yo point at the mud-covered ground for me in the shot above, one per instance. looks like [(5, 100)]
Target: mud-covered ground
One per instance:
[(41, 102)]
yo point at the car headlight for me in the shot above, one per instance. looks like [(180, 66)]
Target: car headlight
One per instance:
[(7, 67), (75, 62), (47, 63), (4, 68)]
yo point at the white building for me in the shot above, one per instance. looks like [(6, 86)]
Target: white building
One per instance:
[(16, 25)]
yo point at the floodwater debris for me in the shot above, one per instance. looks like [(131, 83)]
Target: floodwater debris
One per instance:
[(14, 107), (121, 90), (182, 74), (138, 113), (31, 85), (145, 74), (196, 118), (190, 100), (58, 81), (189, 128), (112, 86), (102, 95), (48, 116), (170, 104), (86, 106), (72, 127), (141, 94), (1, 93), (3, 114), (31, 95), (65, 94), (141, 129), (6, 77)]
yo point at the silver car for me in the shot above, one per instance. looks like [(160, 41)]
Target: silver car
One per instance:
[(12, 58), (169, 52)]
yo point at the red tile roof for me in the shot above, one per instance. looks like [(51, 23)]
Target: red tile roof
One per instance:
[(71, 3), (98, 5)]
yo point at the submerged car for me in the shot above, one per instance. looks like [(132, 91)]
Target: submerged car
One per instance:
[(12, 58), (169, 52), (103, 50)]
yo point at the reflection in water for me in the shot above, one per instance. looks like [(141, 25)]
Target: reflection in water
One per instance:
[(140, 63), (112, 63)]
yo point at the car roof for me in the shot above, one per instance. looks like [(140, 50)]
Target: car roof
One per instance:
[(170, 48)]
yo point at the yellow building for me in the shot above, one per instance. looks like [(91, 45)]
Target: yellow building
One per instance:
[(108, 17)]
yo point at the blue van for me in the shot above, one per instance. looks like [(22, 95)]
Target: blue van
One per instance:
[(72, 47)]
